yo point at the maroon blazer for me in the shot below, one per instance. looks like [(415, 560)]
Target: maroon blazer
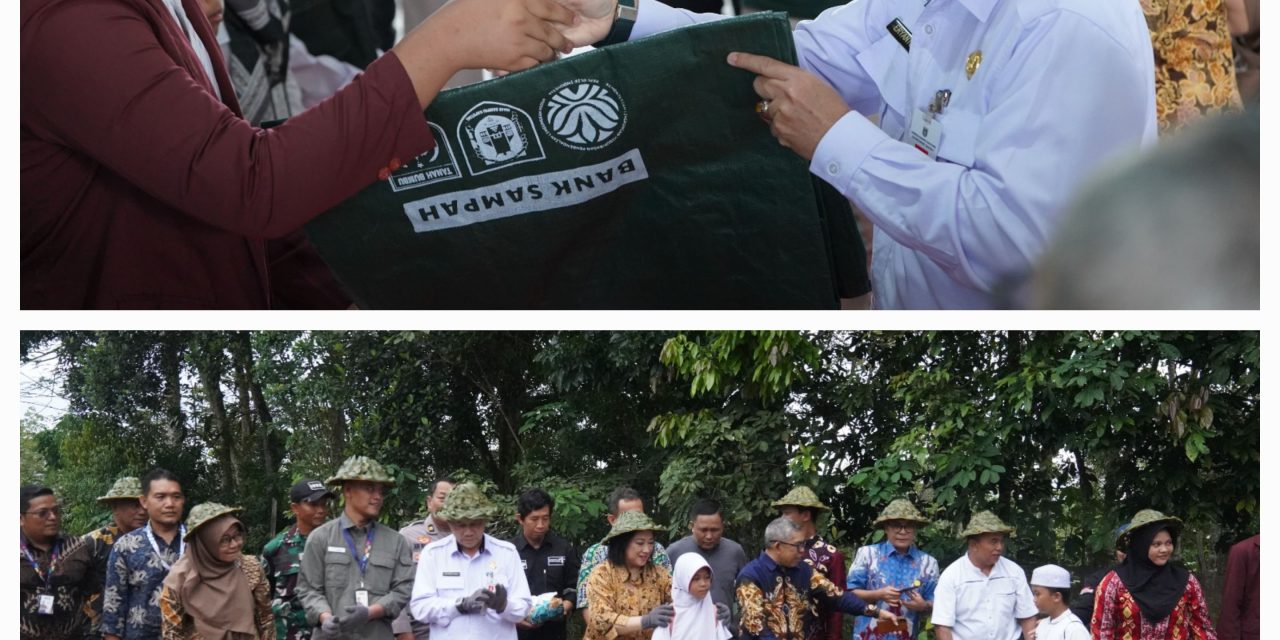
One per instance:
[(141, 189), (1241, 616)]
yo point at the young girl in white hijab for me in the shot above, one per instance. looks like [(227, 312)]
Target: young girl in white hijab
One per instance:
[(695, 612)]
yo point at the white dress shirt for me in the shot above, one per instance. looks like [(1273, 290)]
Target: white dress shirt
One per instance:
[(1063, 87), (1064, 627), (202, 54), (982, 607), (445, 574)]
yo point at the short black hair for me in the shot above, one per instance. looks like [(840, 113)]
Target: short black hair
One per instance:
[(620, 494), (705, 507), (1065, 593), (618, 548), (431, 491), (532, 500), (157, 474), (31, 492)]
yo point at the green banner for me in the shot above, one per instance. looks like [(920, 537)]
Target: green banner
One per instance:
[(633, 176)]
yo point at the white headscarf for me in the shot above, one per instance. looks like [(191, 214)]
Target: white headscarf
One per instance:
[(695, 617)]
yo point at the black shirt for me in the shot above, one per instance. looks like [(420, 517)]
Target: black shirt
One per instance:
[(551, 568)]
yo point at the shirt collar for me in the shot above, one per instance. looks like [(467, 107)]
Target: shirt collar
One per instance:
[(483, 539), (981, 9), (346, 522), (889, 550)]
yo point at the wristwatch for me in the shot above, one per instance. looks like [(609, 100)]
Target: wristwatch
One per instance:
[(624, 18), (871, 611)]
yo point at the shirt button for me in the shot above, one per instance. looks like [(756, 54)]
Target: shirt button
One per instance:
[(928, 28), (833, 168), (384, 173), (394, 164)]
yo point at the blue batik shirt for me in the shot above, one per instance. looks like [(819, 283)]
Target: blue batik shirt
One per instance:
[(881, 565), (131, 599)]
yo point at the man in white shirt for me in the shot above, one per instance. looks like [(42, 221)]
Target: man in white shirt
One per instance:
[(470, 584), (1051, 589), (983, 595), (990, 115)]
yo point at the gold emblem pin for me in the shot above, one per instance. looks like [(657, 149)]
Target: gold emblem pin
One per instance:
[(971, 65)]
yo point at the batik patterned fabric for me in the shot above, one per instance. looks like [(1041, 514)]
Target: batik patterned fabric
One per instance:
[(131, 599), (1116, 615), (1195, 66), (281, 562), (825, 559), (176, 622), (100, 542), (785, 602), (598, 553), (881, 565), (616, 595), (73, 580)]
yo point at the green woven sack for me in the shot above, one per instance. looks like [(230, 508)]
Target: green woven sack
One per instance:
[(632, 176)]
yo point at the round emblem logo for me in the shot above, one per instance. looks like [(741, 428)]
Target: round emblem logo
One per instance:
[(583, 114), (498, 138)]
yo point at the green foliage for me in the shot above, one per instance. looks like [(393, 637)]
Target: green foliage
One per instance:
[(1063, 434)]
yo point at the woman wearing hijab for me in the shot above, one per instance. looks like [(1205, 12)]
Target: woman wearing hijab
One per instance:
[(1148, 596), (214, 592), (629, 596), (697, 616)]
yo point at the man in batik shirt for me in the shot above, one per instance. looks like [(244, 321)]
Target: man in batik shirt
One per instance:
[(780, 595), (801, 506), (56, 572), (125, 501), (894, 573), (281, 557), (140, 561)]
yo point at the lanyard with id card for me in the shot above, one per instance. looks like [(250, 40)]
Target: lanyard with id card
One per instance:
[(44, 599), (926, 131), (362, 594)]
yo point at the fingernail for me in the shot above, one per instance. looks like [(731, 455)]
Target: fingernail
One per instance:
[(733, 58)]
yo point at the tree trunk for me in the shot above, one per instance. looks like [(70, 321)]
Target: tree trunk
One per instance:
[(210, 368)]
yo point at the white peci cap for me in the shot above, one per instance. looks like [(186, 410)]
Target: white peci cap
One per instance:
[(1051, 576)]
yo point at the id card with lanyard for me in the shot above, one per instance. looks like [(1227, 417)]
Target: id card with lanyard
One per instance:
[(44, 596), (362, 594), (182, 545)]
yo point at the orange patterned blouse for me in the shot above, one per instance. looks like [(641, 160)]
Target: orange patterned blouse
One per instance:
[(1195, 69)]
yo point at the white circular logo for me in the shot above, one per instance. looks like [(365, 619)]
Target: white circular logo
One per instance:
[(583, 114), (498, 138)]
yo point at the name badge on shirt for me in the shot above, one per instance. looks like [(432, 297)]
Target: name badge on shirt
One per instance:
[(926, 133), (555, 561), (44, 604), (451, 580), (362, 597), (336, 549)]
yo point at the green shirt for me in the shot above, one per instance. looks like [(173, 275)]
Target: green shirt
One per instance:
[(331, 576)]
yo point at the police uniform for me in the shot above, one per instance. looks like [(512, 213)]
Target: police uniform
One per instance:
[(419, 534), (992, 113)]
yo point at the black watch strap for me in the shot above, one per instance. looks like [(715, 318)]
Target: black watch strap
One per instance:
[(624, 19)]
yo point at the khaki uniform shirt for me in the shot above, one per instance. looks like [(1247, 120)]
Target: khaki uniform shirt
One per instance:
[(331, 576), (419, 534)]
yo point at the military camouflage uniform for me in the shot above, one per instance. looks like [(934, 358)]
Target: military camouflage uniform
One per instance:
[(282, 560)]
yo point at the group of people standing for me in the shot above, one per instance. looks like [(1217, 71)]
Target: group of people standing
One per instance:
[(149, 575)]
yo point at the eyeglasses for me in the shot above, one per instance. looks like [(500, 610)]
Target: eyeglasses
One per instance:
[(799, 546), (45, 514), (905, 527), (231, 540)]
